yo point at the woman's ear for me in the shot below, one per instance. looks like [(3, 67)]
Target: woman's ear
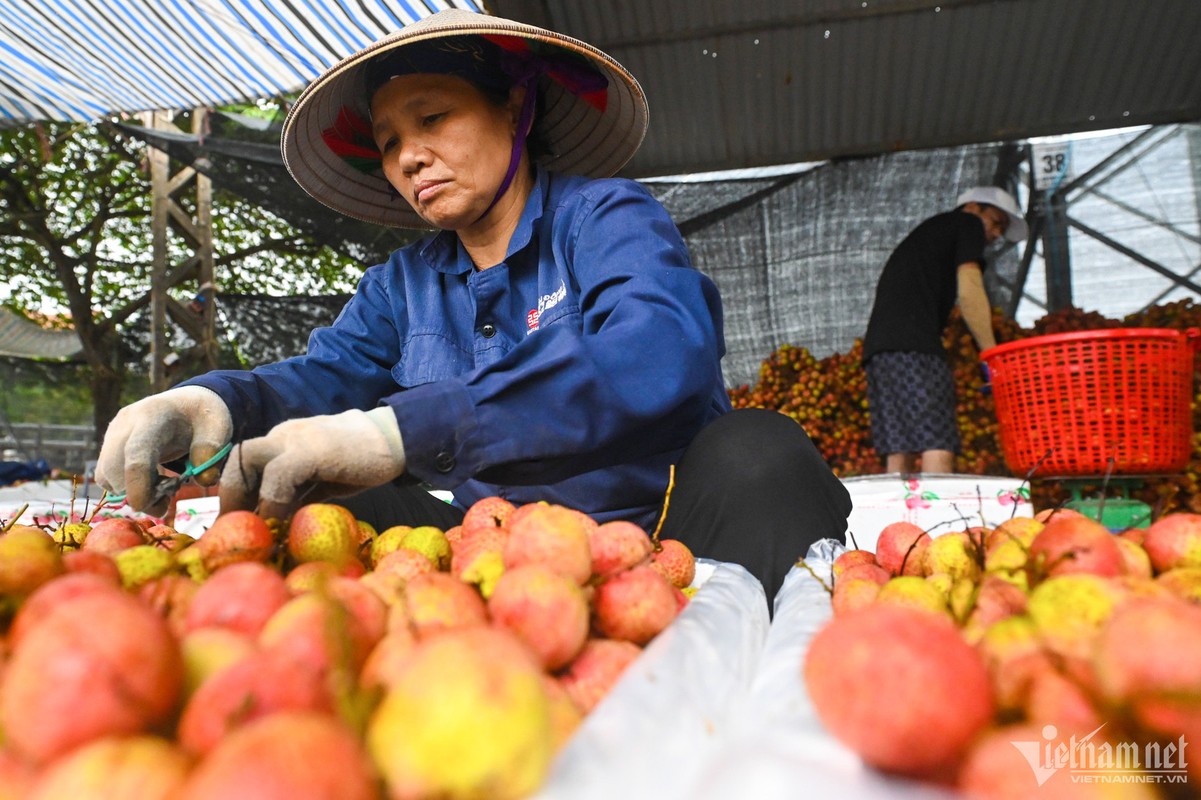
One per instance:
[(516, 98)]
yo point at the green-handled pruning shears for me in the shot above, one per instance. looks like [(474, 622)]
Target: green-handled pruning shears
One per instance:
[(169, 486)]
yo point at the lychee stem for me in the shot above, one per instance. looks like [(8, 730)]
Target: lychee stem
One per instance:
[(14, 519), (103, 502), (909, 550), (671, 484), (978, 549), (816, 577)]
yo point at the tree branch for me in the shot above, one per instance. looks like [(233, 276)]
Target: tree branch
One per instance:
[(128, 310), (294, 246)]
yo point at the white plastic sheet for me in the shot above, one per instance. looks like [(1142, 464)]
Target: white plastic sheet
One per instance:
[(196, 515), (667, 716), (49, 503), (716, 707), (778, 747)]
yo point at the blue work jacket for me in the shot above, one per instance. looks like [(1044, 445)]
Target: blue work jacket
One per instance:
[(575, 371)]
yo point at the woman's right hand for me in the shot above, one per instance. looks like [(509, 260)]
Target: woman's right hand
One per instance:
[(188, 420)]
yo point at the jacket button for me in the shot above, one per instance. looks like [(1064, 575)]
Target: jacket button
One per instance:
[(444, 462), (489, 330)]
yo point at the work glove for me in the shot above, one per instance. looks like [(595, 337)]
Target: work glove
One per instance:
[(186, 421), (309, 460)]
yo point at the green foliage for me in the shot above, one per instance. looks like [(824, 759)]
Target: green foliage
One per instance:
[(72, 202), (76, 241), (74, 221), (257, 252), (52, 394)]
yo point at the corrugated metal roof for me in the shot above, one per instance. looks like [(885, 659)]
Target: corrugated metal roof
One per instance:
[(760, 82), (731, 83)]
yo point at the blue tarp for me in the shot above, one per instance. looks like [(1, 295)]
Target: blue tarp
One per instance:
[(16, 471), (80, 61)]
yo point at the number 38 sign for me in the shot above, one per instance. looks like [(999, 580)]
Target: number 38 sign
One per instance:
[(1052, 164)]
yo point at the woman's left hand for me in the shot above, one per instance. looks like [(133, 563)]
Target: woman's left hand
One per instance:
[(310, 460)]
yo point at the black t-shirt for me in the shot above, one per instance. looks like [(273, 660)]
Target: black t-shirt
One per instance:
[(919, 284)]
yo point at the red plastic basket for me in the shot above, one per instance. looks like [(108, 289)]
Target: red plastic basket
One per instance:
[(1095, 402)]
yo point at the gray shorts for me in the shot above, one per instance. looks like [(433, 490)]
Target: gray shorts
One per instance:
[(911, 400)]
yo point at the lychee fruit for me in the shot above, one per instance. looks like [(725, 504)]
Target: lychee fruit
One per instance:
[(28, 559), (674, 561), (869, 674), (544, 609), (437, 602), (901, 548), (76, 677), (556, 536), (323, 532), (113, 534), (235, 536), (141, 766), (590, 677), (241, 597), (618, 545), (465, 715), (635, 605), (283, 756)]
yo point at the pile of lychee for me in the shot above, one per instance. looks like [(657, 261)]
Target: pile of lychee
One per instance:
[(1042, 657), (316, 657)]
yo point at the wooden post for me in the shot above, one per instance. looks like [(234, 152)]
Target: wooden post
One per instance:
[(196, 232), (160, 209), (205, 277)]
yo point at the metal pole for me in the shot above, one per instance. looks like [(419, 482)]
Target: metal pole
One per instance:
[(1048, 214), (1104, 163), (1008, 175), (1023, 273), (1057, 252), (1134, 254)]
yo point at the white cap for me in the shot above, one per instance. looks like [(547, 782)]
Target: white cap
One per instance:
[(995, 196)]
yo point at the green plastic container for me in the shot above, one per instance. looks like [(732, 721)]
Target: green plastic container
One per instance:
[(1117, 514)]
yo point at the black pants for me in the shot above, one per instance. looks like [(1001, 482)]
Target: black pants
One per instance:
[(751, 489)]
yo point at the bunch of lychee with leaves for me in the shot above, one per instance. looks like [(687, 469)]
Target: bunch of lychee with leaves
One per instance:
[(316, 657), (1010, 661)]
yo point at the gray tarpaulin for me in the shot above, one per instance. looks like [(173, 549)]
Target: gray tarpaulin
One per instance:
[(800, 263), (797, 254)]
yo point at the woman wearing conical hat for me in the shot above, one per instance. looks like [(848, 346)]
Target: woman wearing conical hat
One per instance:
[(548, 340)]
